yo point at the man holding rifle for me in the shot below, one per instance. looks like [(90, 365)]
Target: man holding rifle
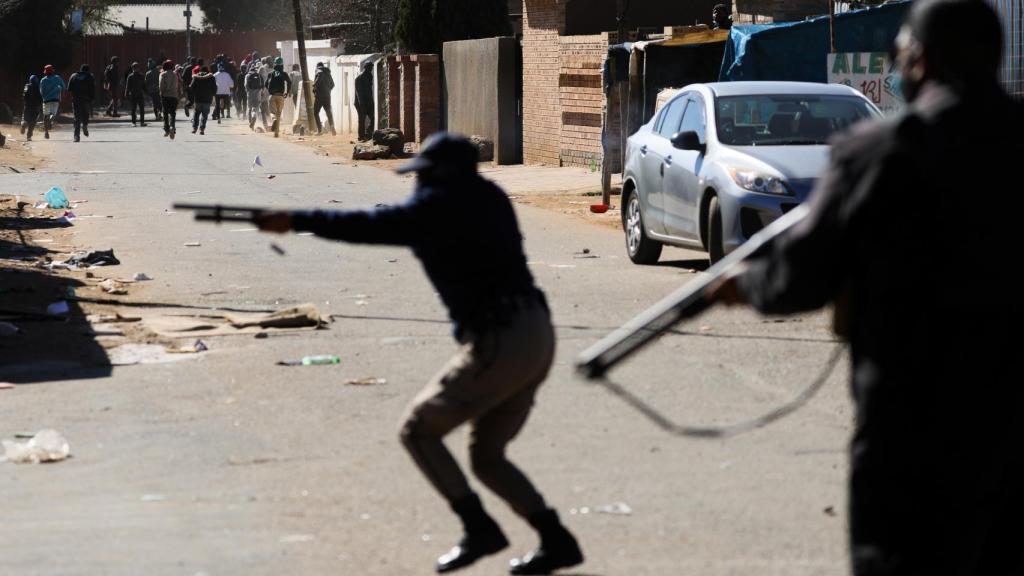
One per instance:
[(464, 231), (936, 456)]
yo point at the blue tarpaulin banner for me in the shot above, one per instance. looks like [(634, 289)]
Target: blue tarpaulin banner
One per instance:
[(798, 51)]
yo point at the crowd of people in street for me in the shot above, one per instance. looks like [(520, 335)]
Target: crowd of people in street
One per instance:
[(257, 88)]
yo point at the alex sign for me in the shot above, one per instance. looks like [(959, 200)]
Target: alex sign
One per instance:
[(871, 73)]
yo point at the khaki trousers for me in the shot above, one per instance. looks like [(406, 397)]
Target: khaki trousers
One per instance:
[(276, 109), (491, 383)]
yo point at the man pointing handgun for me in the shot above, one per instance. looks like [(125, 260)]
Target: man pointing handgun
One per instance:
[(464, 231)]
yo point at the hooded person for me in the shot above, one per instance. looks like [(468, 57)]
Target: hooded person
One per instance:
[(204, 91), (82, 87), (323, 84), (33, 106), (111, 82), (170, 93), (153, 86), (225, 84), (51, 87), (364, 101), (279, 85), (463, 229), (186, 81), (135, 92)]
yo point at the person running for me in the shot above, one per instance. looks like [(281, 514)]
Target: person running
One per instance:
[(153, 86), (33, 102), (204, 90), (225, 84), (135, 93), (279, 85), (254, 95), (111, 81), (82, 87), (502, 321), (322, 86), (51, 87), (170, 93)]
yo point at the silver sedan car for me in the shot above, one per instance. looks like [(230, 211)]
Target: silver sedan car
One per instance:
[(720, 161)]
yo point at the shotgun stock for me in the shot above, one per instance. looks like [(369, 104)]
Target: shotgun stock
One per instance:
[(687, 302)]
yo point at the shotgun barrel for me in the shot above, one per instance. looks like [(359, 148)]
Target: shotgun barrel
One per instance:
[(687, 302), (220, 213)]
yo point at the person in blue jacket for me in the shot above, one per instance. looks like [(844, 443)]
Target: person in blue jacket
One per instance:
[(51, 87), (464, 231)]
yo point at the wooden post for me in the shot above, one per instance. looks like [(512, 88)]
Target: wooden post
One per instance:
[(832, 25)]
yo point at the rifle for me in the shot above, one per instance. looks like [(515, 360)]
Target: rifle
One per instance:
[(687, 302), (219, 213)]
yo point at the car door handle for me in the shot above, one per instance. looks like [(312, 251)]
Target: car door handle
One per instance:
[(643, 149), (663, 169)]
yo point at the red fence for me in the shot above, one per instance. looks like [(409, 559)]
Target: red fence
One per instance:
[(97, 50)]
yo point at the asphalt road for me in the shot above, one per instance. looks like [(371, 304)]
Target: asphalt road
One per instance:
[(228, 464)]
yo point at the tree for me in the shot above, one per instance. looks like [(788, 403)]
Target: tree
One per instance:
[(424, 25), (363, 25), (234, 15)]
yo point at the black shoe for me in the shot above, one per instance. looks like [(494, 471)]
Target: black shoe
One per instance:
[(143, 124), (76, 139), (202, 132), (194, 130), (85, 131), (558, 548), (46, 135), (472, 547)]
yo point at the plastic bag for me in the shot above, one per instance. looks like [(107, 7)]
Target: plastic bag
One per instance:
[(45, 446), (55, 198)]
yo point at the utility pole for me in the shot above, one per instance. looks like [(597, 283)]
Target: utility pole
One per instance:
[(188, 28), (832, 25), (307, 89)]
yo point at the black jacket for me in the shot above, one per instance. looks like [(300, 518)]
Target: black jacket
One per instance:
[(915, 227), (364, 90), (464, 232), (111, 76), (153, 81), (135, 85), (82, 86), (204, 88), (279, 83), (31, 97), (323, 84)]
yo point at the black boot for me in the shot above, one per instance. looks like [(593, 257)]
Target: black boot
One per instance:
[(558, 548), (481, 536)]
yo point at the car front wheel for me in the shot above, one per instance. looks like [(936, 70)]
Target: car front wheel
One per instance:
[(642, 250), (716, 250)]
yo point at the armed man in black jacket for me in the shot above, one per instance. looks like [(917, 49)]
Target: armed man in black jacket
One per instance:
[(135, 93), (937, 456), (464, 231)]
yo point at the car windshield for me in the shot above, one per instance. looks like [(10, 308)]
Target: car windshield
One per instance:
[(787, 120)]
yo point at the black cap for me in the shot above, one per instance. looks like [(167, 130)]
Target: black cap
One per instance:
[(444, 149)]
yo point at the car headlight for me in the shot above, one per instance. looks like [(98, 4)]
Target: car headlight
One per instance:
[(758, 182)]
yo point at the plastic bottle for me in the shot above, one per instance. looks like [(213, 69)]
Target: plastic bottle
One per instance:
[(320, 360)]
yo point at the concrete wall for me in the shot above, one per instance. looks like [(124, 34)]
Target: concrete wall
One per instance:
[(480, 78)]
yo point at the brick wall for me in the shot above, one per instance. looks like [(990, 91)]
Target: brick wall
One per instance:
[(414, 95), (581, 98), (543, 21), (768, 11), (428, 95)]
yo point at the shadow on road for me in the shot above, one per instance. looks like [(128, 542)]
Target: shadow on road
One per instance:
[(699, 264)]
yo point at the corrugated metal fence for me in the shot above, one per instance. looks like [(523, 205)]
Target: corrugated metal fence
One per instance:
[(1012, 14), (97, 50)]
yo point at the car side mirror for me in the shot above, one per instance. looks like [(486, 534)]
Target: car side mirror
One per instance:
[(688, 141)]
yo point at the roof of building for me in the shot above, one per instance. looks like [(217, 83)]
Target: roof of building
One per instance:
[(162, 17)]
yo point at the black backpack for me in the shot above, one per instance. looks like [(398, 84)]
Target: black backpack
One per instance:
[(253, 81)]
